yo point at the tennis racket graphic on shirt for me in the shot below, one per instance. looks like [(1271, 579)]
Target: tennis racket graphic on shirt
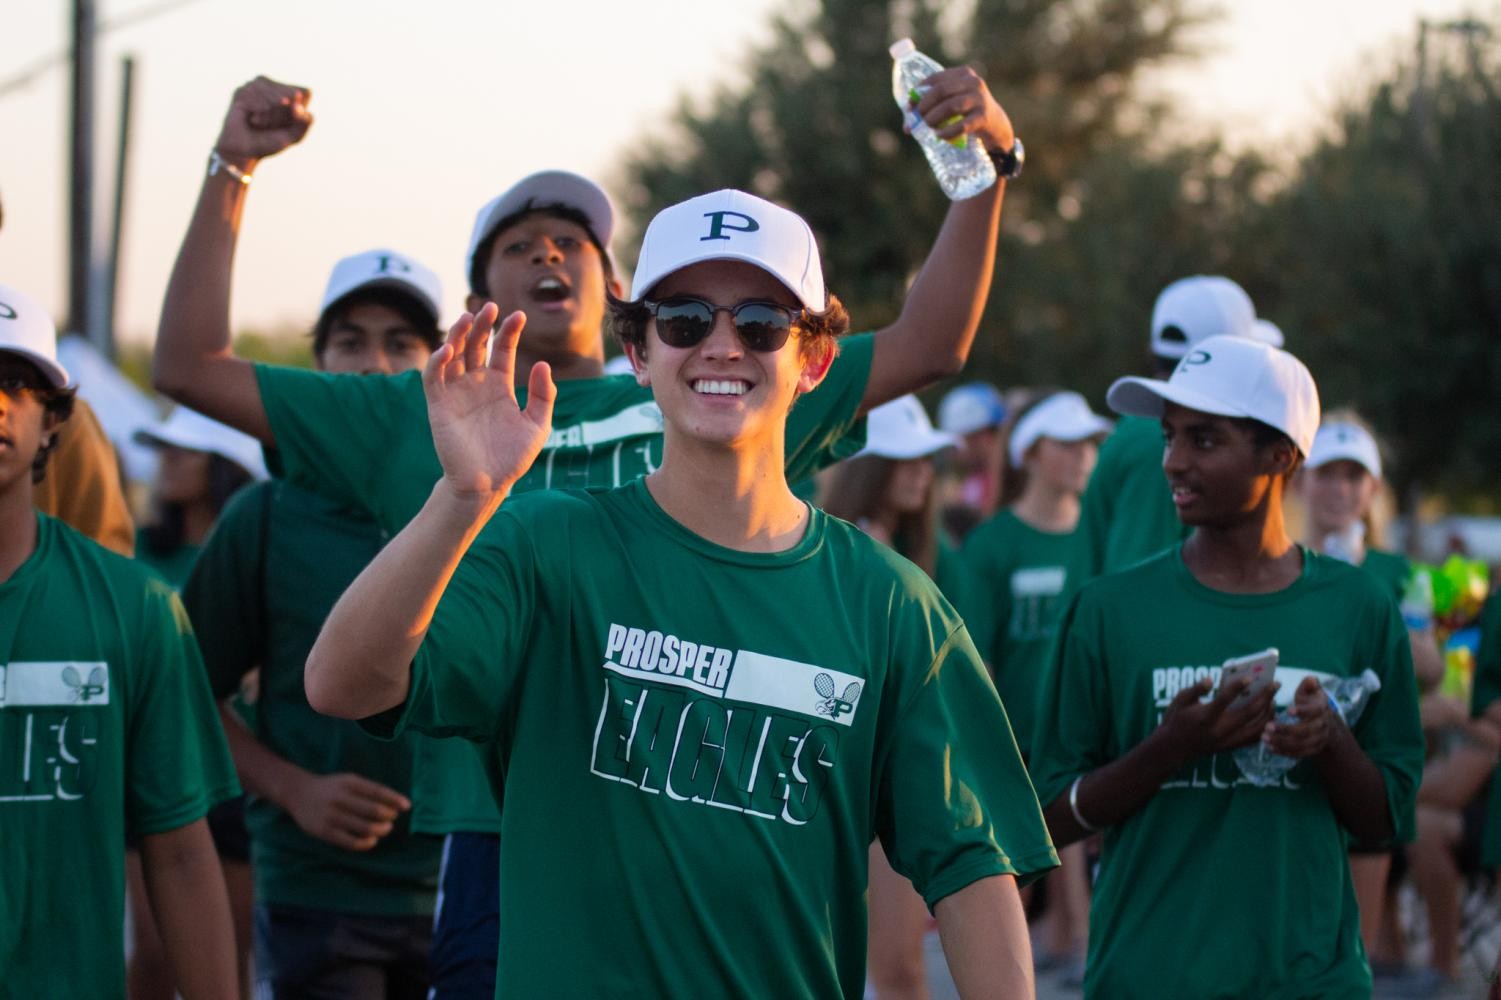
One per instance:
[(830, 705), (85, 691)]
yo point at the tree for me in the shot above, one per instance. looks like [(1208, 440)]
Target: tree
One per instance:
[(815, 127), (1382, 259)]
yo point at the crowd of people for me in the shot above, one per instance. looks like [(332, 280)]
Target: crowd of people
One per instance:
[(458, 666)]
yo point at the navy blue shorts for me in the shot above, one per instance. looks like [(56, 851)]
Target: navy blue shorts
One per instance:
[(466, 928)]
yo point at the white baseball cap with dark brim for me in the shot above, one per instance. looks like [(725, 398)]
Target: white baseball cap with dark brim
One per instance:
[(384, 269), (1231, 377), (27, 330), (1196, 308), (546, 189), (191, 430), (901, 429), (733, 225), (1344, 440), (1063, 416)]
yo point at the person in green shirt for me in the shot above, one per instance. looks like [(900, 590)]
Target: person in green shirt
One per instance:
[(201, 465), (709, 698), (541, 246), (107, 729), (888, 491), (1023, 561), (344, 891), (1135, 741), (1340, 482), (1127, 513), (1339, 485), (973, 413)]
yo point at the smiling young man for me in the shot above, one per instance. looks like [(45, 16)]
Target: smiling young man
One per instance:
[(1135, 741), (541, 246), (708, 697), (106, 728), (344, 891)]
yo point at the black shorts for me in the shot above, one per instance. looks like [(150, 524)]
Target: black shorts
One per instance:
[(317, 953)]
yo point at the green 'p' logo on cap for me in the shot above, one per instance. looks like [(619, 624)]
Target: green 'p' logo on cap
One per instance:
[(386, 263), (7, 311), (1197, 358), (719, 222)]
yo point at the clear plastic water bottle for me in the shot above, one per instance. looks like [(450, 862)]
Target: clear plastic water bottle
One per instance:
[(1263, 768), (962, 166)]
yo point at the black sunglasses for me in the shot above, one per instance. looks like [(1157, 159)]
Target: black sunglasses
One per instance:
[(684, 321)]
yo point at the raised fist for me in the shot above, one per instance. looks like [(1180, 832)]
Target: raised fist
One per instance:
[(264, 118)]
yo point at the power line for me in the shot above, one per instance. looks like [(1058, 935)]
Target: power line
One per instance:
[(25, 77)]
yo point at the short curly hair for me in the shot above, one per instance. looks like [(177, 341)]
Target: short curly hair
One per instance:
[(818, 333)]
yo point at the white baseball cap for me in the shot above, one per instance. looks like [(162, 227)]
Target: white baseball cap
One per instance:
[(1231, 377), (1268, 332), (190, 429), (901, 429), (384, 269), (733, 225), (971, 407), (1343, 440), (546, 189), (1063, 416), (27, 330), (1194, 309)]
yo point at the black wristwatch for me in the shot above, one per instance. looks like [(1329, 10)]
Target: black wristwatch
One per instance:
[(1008, 163)]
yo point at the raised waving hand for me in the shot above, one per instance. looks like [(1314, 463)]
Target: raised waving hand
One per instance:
[(484, 439)]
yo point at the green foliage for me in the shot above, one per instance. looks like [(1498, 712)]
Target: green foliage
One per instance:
[(1379, 253), (815, 126), (1382, 259)]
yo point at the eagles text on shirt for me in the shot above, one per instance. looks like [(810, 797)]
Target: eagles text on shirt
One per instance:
[(51, 729), (724, 728)]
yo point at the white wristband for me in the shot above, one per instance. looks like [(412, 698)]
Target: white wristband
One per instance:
[(217, 163), (1073, 804)]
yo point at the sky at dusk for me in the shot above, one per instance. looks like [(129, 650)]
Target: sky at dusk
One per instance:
[(425, 111)]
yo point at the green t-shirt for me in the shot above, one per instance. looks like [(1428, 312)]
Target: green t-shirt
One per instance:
[(1391, 569), (1127, 512), (1022, 577), (171, 566), (267, 578), (1486, 689), (1284, 922), (699, 745), (363, 441), (954, 582), (107, 729)]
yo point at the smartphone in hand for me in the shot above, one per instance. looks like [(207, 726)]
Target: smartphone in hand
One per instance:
[(1260, 667)]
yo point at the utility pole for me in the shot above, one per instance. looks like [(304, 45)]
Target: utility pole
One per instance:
[(108, 328), (81, 162)]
